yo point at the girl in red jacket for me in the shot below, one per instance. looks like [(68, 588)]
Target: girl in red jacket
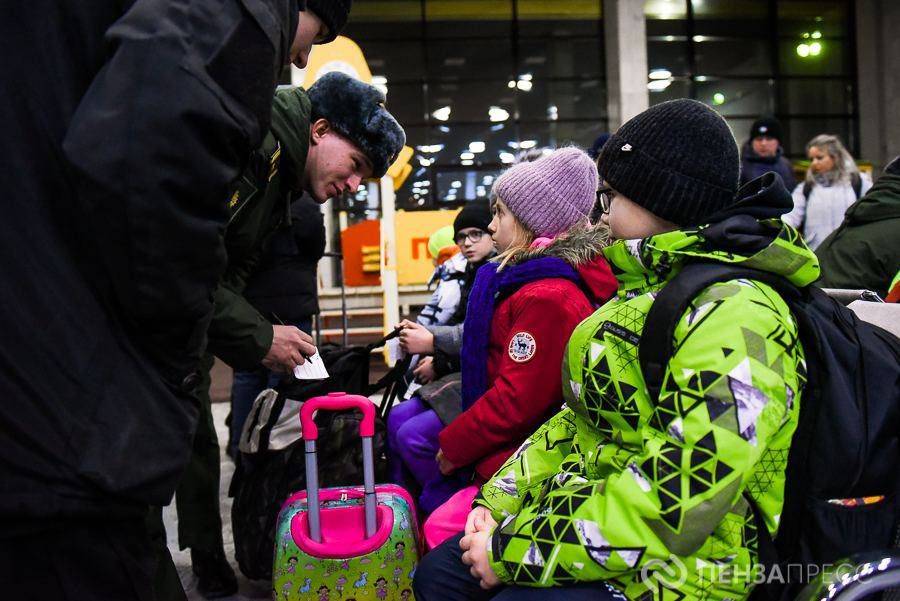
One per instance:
[(523, 306)]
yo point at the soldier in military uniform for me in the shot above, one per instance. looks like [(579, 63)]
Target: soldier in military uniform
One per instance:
[(324, 142)]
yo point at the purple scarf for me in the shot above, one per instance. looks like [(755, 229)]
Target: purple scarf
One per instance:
[(491, 286)]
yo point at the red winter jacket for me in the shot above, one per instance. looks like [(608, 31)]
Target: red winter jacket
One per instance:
[(529, 333)]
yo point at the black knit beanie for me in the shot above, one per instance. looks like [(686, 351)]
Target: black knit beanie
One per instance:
[(677, 159), (476, 213), (766, 126), (333, 13), (356, 110)]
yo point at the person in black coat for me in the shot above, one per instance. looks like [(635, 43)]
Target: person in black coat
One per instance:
[(124, 124), (763, 153), (284, 288)]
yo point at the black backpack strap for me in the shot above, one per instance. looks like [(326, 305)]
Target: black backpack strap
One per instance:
[(374, 345), (656, 345), (807, 190), (856, 183), (395, 386)]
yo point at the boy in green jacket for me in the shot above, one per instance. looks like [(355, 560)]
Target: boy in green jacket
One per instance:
[(617, 495)]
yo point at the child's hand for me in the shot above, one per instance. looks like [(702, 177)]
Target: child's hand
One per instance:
[(415, 338), (424, 371), (475, 556), (444, 464), (480, 519)]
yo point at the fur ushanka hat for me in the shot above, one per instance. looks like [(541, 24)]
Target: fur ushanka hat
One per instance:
[(356, 110)]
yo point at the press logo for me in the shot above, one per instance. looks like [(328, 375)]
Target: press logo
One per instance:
[(671, 573)]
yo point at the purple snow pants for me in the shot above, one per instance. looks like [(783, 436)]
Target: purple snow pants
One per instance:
[(412, 431)]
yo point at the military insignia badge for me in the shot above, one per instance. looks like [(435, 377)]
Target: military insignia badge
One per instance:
[(522, 347)]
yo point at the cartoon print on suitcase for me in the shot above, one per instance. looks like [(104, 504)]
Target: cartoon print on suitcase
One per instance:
[(345, 543), (384, 574)]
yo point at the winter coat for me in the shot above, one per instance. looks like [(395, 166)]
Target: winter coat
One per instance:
[(753, 166), (864, 252), (448, 337), (444, 302), (528, 333), (614, 484), (261, 201), (820, 214), (116, 174), (284, 286)]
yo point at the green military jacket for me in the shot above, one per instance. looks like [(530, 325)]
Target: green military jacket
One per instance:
[(260, 202), (864, 252), (650, 496)]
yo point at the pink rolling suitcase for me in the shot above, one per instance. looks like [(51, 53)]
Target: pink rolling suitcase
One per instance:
[(345, 542)]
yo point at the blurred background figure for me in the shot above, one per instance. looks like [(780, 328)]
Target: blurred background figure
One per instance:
[(763, 152), (833, 183), (449, 266), (864, 252)]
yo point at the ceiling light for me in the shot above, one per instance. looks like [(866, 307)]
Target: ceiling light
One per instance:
[(456, 184), (431, 148), (658, 85), (425, 162), (496, 113), (507, 158), (511, 84), (802, 50), (660, 74), (553, 112), (524, 85), (467, 156), (816, 35), (467, 163), (442, 114), (525, 77), (718, 98), (815, 49), (444, 129), (526, 144), (476, 147)]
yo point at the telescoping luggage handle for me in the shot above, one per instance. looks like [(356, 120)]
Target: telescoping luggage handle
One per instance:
[(338, 401)]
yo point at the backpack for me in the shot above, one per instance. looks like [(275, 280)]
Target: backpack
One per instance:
[(271, 465), (847, 442), (855, 183)]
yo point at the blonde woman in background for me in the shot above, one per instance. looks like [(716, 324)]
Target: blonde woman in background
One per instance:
[(833, 183)]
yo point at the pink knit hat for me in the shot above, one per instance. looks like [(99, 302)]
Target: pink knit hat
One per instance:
[(551, 194)]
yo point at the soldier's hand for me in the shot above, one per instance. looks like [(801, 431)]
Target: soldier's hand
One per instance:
[(289, 346)]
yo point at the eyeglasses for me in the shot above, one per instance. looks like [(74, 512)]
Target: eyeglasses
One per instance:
[(605, 196), (473, 236)]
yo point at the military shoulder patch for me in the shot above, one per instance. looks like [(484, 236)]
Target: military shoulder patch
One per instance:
[(522, 347)]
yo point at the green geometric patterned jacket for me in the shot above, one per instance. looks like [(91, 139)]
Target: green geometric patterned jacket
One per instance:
[(650, 497)]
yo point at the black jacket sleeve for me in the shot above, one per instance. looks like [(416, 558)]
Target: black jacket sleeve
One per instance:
[(164, 128)]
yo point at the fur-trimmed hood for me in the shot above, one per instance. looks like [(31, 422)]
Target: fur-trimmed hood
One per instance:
[(582, 248), (575, 247)]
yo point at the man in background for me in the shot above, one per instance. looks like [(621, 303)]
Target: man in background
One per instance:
[(764, 153)]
